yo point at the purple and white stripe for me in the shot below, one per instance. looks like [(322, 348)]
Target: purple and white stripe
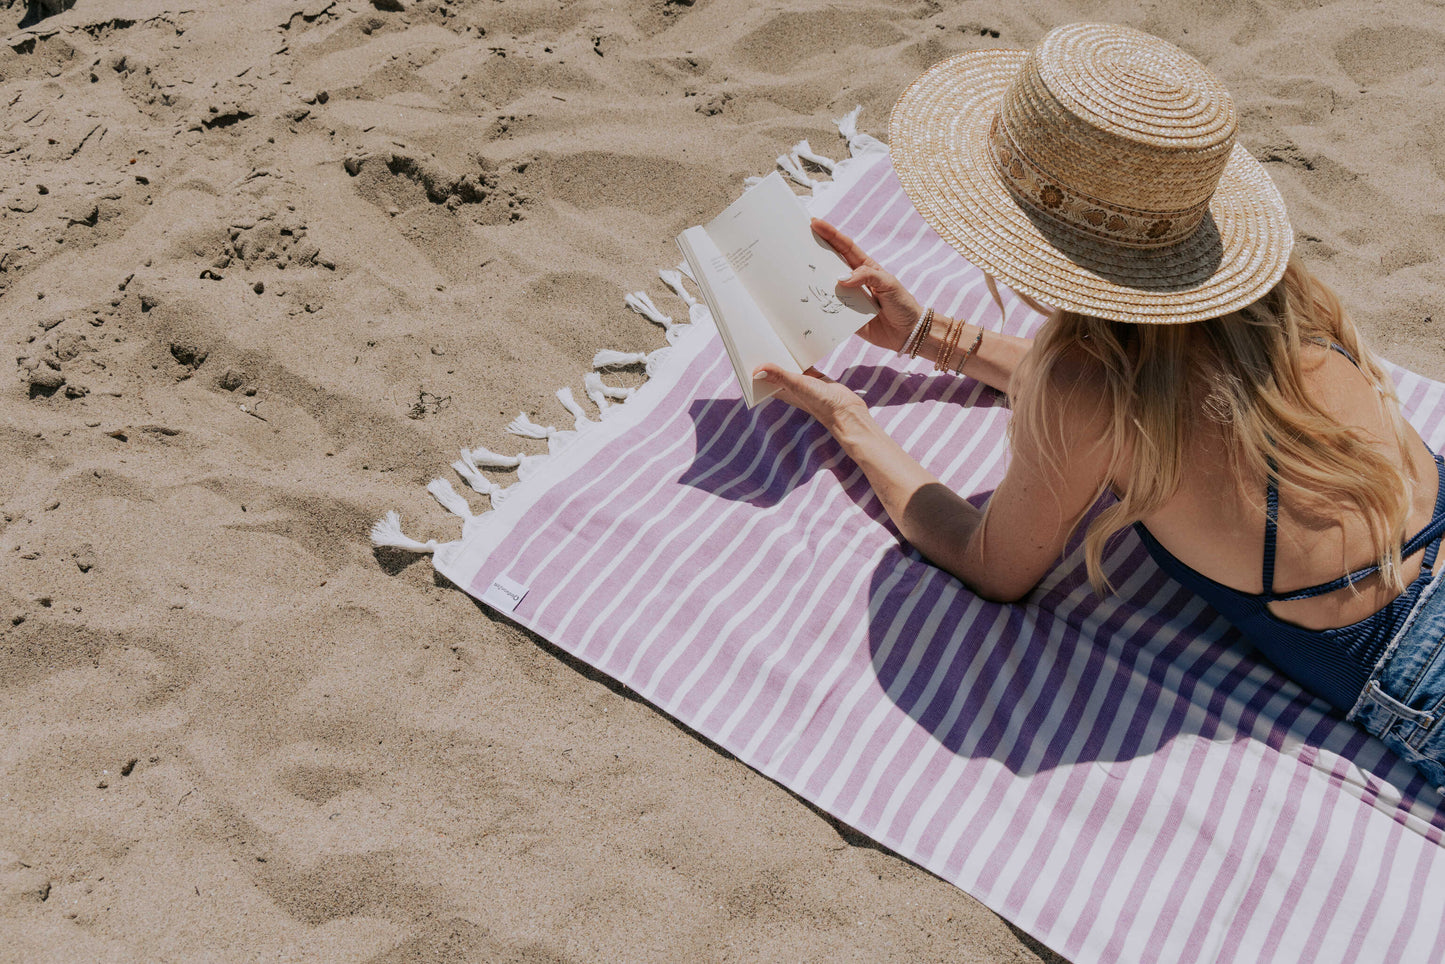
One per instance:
[(1116, 776)]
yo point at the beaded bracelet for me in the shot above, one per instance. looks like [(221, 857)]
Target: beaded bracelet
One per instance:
[(950, 345), (943, 345), (972, 350), (915, 338)]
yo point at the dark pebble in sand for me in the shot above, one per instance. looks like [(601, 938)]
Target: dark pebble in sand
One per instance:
[(129, 766), (259, 287), (192, 356)]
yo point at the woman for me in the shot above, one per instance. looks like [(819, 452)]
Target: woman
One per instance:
[(1189, 366)]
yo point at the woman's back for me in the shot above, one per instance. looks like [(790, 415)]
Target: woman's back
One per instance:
[(1215, 524)]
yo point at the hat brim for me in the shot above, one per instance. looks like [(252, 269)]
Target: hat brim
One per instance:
[(939, 140)]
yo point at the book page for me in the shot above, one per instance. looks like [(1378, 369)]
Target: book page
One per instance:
[(746, 334), (766, 238)]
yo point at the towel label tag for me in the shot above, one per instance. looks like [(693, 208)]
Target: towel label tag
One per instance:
[(504, 594)]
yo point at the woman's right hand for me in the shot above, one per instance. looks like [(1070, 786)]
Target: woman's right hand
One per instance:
[(898, 311)]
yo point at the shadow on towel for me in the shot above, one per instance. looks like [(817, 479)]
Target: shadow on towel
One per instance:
[(1064, 678), (761, 455), (1019, 683)]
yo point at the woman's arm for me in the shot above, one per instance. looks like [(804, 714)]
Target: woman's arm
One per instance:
[(1002, 554), (994, 363)]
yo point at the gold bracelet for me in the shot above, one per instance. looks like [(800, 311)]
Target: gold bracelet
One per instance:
[(950, 345), (945, 348), (972, 349)]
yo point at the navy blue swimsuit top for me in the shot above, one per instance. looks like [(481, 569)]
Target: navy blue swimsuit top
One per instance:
[(1334, 664)]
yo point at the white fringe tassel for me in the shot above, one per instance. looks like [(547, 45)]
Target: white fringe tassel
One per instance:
[(443, 492), (485, 457), (858, 144), (803, 151), (673, 279), (696, 311), (794, 170), (792, 162), (596, 390), (579, 417), (639, 302), (525, 427), (599, 391), (468, 469), (607, 358), (387, 532)]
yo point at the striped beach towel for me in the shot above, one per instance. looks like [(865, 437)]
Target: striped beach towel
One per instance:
[(1119, 777)]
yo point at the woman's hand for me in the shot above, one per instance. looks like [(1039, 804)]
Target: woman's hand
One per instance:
[(898, 311), (814, 393)]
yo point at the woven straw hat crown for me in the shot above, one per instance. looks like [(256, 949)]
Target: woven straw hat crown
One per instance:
[(1098, 172)]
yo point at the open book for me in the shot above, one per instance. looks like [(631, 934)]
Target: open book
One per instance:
[(772, 285)]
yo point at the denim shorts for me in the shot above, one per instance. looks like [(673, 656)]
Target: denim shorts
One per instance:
[(1403, 704)]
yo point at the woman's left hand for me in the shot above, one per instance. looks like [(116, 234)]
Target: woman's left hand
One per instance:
[(898, 310), (813, 392)]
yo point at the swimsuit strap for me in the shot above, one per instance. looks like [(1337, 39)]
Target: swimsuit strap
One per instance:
[(1348, 579), (1428, 537), (1271, 527), (1271, 495)]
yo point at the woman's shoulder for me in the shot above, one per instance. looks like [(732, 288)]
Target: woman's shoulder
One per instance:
[(1074, 383), (1068, 412)]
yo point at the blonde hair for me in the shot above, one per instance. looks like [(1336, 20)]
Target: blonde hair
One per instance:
[(1242, 373)]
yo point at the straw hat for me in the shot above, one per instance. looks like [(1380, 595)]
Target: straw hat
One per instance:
[(1097, 172)]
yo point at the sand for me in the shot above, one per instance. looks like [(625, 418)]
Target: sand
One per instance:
[(264, 267)]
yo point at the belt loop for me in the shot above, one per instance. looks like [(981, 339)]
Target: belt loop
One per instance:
[(1420, 717)]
